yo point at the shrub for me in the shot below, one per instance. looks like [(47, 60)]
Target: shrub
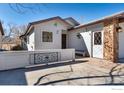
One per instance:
[(17, 47)]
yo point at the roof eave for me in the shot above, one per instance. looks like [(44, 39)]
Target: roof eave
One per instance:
[(119, 15), (41, 21)]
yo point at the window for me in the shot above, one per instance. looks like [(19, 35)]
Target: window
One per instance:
[(47, 37), (97, 38)]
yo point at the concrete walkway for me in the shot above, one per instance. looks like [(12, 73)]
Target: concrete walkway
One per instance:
[(84, 71)]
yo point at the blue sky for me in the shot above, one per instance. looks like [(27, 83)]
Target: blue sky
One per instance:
[(81, 12)]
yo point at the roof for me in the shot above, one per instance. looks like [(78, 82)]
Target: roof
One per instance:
[(49, 19), (72, 20), (1, 29), (116, 15), (45, 20)]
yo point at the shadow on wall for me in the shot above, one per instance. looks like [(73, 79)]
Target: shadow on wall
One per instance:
[(86, 48), (24, 45)]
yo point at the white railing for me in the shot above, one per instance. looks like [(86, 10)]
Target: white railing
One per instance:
[(18, 59)]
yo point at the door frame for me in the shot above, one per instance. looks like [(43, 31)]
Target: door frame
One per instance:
[(65, 46)]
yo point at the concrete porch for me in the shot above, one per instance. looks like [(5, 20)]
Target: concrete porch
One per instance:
[(86, 71)]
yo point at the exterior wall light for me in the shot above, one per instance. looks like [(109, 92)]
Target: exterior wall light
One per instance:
[(79, 35), (119, 29)]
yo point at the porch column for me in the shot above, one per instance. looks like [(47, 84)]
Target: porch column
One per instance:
[(111, 40)]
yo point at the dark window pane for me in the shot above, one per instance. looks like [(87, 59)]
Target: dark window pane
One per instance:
[(47, 37), (97, 38)]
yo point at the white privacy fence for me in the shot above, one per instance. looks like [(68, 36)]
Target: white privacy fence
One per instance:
[(18, 59)]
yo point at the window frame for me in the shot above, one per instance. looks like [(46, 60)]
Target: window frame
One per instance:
[(47, 36)]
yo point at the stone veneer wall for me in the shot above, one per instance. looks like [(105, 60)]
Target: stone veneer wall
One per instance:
[(110, 40)]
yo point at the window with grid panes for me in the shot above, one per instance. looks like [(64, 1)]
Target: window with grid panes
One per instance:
[(47, 36), (97, 38)]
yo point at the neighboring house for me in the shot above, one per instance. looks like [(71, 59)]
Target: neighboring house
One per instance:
[(1, 34), (72, 21), (8, 42), (102, 38), (50, 33)]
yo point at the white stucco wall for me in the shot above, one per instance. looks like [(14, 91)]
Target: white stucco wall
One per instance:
[(49, 27), (86, 43), (74, 41), (30, 45), (19, 59), (87, 39)]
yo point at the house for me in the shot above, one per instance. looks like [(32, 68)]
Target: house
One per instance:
[(102, 38), (9, 42), (1, 34), (50, 33)]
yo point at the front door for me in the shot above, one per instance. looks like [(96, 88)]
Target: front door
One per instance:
[(98, 44), (63, 41)]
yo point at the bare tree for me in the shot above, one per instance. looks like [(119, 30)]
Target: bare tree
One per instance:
[(22, 8), (10, 27), (15, 30), (4, 29)]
